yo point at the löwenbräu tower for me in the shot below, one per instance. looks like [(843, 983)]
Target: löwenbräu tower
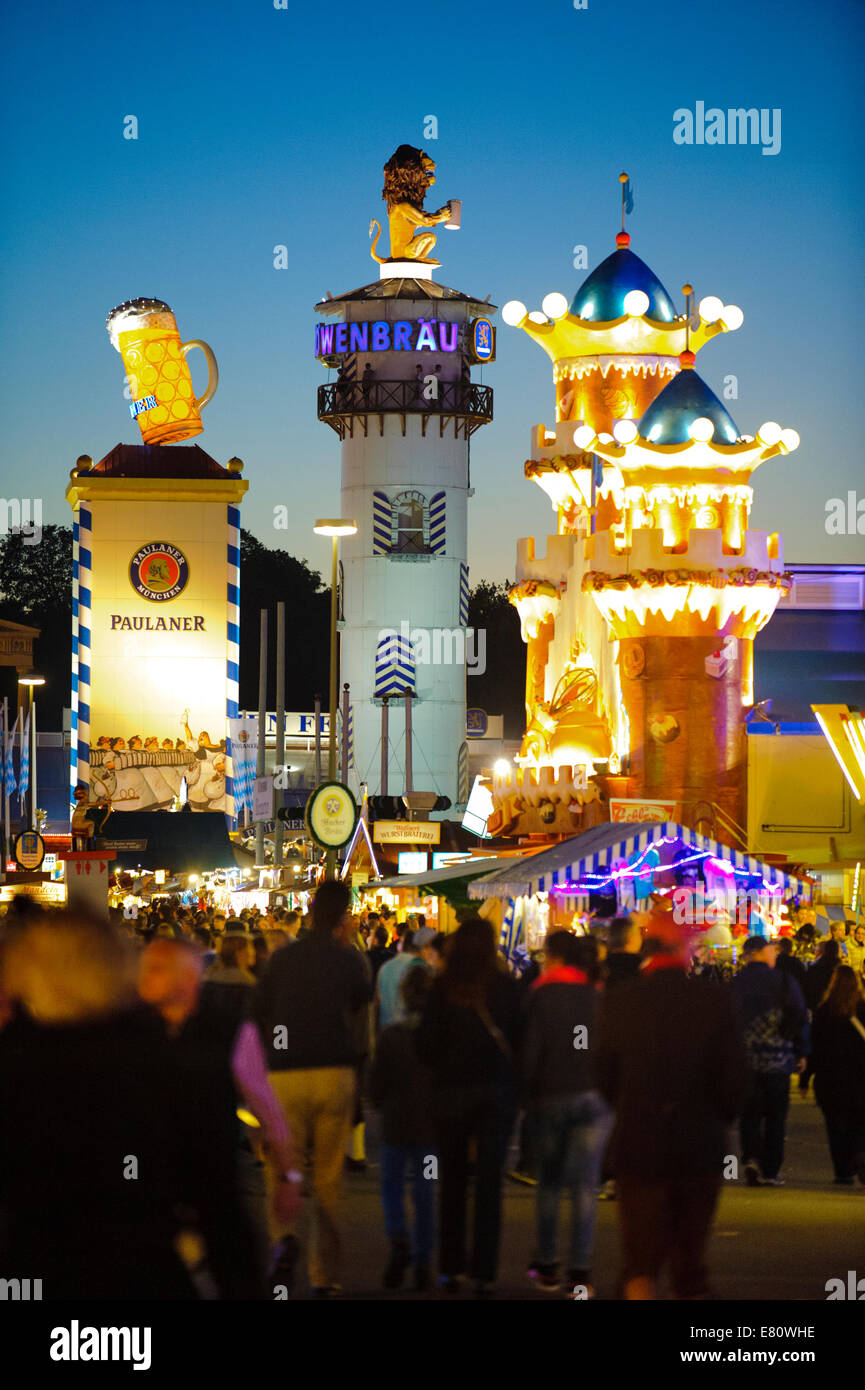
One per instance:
[(405, 407)]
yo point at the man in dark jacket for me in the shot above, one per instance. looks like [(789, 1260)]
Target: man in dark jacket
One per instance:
[(571, 1120), (379, 950), (818, 975), (670, 1062), (304, 1008), (624, 943), (786, 961), (774, 1020)]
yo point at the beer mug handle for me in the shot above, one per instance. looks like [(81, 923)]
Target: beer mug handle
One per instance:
[(212, 370)]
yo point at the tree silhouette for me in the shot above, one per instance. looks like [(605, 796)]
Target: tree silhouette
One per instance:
[(268, 577), (36, 589), (501, 689)]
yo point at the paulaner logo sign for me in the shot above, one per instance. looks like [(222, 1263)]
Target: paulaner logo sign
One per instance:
[(159, 572), (403, 336)]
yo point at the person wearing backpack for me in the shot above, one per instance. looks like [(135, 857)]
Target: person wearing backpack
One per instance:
[(774, 1020)]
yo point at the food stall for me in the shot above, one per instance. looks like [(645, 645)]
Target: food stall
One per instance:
[(710, 886)]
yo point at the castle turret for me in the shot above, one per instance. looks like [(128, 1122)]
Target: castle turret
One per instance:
[(640, 620)]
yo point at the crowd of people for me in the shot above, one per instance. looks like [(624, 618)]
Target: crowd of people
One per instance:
[(176, 1089)]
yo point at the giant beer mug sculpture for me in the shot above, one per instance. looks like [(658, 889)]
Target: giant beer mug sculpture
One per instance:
[(146, 335)]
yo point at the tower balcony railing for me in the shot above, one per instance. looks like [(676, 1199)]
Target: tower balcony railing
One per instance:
[(346, 404)]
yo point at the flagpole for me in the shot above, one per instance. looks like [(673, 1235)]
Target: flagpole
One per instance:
[(5, 792), (32, 760)]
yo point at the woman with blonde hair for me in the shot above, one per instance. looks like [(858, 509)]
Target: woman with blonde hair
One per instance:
[(102, 1136), (838, 1064)]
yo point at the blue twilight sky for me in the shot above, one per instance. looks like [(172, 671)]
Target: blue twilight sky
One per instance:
[(261, 126)]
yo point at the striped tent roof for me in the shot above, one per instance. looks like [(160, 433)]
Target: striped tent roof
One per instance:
[(599, 847)]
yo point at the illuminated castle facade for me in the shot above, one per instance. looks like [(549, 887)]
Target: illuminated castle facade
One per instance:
[(640, 618)]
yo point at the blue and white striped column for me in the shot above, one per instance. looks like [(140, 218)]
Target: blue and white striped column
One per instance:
[(232, 670), (82, 656), (464, 595), (437, 536), (73, 738)]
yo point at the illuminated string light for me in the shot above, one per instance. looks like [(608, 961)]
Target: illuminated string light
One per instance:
[(597, 882)]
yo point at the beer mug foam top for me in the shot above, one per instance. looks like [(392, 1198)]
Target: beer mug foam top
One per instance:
[(145, 333)]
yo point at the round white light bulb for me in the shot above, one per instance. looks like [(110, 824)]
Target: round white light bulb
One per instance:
[(624, 431), (711, 308), (513, 313), (537, 317), (702, 429), (554, 305), (584, 435), (769, 433), (790, 440), (732, 317), (636, 303)]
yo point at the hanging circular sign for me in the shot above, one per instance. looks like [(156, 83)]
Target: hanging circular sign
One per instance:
[(29, 850), (331, 815), (159, 571)]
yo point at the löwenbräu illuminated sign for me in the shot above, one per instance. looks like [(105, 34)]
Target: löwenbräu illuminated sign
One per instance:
[(332, 340)]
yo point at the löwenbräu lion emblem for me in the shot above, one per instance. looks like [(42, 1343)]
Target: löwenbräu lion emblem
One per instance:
[(408, 176)]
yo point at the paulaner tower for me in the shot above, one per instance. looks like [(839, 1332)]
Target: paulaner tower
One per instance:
[(640, 620), (405, 408)]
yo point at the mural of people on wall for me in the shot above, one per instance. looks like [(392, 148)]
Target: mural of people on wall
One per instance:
[(145, 772)]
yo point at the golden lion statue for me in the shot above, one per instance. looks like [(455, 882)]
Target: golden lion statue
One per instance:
[(408, 176)]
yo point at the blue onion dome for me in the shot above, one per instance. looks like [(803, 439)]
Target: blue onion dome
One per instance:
[(685, 399), (601, 297)]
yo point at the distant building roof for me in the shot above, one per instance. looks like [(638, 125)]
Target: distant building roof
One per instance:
[(7, 625), (813, 650), (157, 461), (401, 289), (823, 588)]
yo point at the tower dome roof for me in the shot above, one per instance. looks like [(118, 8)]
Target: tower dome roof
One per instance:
[(601, 297), (685, 399)]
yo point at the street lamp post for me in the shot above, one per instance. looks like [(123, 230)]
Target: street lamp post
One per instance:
[(333, 527), (31, 680)]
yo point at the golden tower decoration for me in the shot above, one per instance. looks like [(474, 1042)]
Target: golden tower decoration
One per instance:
[(640, 619)]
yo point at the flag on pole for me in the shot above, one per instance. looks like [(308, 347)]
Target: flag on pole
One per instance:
[(244, 754), (10, 765), (24, 765), (629, 198)]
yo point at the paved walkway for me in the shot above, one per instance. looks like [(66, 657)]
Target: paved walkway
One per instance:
[(768, 1243)]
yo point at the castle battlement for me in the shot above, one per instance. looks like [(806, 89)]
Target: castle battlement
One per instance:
[(551, 568), (762, 550)]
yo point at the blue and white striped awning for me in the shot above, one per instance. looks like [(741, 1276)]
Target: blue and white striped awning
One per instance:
[(571, 861)]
